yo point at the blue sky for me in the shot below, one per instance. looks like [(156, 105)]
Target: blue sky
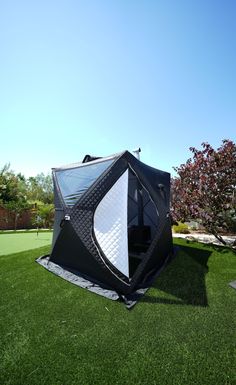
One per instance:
[(101, 76)]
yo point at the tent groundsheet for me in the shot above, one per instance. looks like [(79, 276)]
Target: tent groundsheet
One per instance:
[(79, 280)]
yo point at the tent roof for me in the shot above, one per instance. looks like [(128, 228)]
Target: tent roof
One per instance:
[(81, 164)]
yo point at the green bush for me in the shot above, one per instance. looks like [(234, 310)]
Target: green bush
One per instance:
[(43, 216), (181, 228)]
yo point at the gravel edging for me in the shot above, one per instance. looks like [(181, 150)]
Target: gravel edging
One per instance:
[(206, 238)]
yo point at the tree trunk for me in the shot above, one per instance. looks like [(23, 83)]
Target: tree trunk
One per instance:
[(216, 235), (15, 222), (219, 237)]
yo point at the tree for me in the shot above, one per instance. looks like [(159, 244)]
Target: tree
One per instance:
[(205, 189), (8, 184), (13, 194), (40, 188), (44, 216), (18, 193)]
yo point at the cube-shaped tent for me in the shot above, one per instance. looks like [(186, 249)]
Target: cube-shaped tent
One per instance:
[(112, 222)]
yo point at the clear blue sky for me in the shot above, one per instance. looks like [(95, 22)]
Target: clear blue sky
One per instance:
[(101, 76)]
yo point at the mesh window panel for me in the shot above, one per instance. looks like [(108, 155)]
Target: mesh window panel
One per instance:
[(74, 182)]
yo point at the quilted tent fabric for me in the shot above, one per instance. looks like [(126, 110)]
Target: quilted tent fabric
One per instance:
[(110, 224), (117, 233)]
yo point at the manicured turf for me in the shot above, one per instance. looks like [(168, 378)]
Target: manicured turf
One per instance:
[(182, 332), (16, 242)]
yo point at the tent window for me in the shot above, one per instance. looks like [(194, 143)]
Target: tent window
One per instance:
[(75, 182)]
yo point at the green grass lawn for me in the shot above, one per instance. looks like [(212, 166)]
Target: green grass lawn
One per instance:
[(182, 332), (18, 241)]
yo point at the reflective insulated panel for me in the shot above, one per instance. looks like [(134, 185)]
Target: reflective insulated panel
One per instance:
[(75, 181), (110, 224)]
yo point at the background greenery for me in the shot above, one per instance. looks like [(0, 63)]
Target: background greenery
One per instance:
[(18, 194)]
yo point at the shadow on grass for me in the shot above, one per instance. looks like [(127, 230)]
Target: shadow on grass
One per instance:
[(183, 279), (220, 249)]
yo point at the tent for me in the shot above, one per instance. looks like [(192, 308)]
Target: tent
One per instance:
[(112, 229)]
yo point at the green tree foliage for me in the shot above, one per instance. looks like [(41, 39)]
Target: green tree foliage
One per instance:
[(205, 188), (40, 188), (13, 192), (18, 194), (8, 184), (43, 216)]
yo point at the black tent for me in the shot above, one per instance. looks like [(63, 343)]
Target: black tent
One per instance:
[(112, 230)]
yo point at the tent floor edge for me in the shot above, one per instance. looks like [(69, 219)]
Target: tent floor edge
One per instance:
[(129, 300), (76, 279)]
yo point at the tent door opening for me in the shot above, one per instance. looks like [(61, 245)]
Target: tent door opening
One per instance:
[(143, 221)]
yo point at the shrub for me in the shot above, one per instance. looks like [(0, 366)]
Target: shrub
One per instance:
[(181, 228), (43, 216)]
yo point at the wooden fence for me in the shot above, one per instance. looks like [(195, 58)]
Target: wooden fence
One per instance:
[(8, 220)]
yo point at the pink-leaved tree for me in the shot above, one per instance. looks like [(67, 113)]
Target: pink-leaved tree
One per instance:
[(205, 188)]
